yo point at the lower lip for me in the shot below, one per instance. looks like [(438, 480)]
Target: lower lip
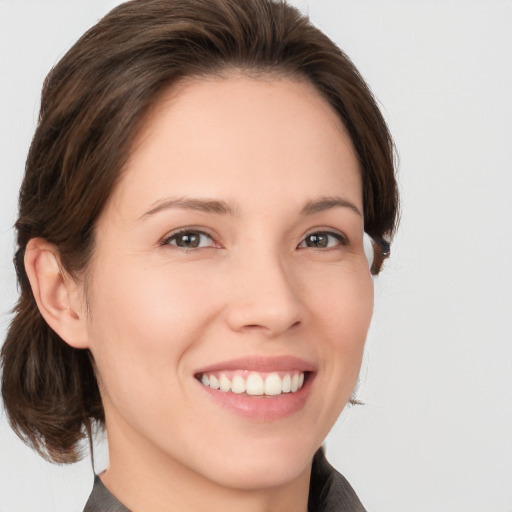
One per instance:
[(262, 407)]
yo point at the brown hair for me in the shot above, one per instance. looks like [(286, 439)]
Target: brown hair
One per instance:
[(93, 104)]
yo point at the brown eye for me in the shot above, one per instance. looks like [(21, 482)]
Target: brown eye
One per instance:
[(189, 240), (322, 240)]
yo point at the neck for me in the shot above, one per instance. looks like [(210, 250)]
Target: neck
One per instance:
[(145, 479)]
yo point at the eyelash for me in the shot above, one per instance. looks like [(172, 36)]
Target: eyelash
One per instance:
[(339, 237)]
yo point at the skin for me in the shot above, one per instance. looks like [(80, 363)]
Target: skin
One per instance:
[(158, 312)]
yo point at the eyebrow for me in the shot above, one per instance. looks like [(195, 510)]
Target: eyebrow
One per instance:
[(223, 208), (197, 204), (326, 203)]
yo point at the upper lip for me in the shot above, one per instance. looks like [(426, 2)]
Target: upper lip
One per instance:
[(261, 364)]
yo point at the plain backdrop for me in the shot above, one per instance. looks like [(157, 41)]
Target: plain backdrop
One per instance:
[(435, 434)]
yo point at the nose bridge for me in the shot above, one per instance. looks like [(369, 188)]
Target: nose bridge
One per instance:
[(265, 292)]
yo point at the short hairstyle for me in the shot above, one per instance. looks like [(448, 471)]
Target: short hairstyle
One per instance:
[(93, 104)]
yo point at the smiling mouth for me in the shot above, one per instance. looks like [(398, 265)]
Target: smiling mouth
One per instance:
[(252, 383)]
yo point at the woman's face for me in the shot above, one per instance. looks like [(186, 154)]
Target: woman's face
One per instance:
[(231, 252)]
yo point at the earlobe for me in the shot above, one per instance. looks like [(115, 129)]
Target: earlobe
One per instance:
[(57, 295)]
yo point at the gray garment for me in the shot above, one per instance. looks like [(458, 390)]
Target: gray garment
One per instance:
[(329, 491)]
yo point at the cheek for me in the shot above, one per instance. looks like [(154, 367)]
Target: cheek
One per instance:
[(147, 318), (144, 300), (144, 322), (343, 300), (343, 314), (138, 324)]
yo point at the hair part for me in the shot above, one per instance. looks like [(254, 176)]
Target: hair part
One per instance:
[(94, 102)]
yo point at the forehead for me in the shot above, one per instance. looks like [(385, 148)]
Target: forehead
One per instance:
[(236, 138)]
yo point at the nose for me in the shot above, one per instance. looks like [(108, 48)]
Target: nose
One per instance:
[(265, 297)]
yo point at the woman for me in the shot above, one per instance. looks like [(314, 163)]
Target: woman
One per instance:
[(192, 256)]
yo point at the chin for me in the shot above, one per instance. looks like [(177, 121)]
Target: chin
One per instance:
[(254, 466)]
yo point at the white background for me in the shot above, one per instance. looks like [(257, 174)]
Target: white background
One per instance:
[(436, 431)]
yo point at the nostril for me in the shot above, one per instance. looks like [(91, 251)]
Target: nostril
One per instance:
[(263, 327)]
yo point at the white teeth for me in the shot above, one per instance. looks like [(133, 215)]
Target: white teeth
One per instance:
[(224, 383), (273, 385), (256, 384), (287, 384), (238, 384), (295, 383), (214, 382)]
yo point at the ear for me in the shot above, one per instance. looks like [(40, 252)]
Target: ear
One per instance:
[(59, 298)]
